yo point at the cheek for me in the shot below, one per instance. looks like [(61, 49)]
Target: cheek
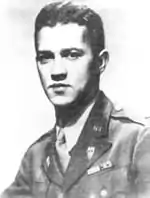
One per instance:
[(78, 77), (44, 73), (79, 71)]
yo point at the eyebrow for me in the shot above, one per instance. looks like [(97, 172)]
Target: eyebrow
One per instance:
[(45, 52), (68, 50), (73, 48)]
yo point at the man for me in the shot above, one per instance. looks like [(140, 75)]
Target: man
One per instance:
[(94, 150)]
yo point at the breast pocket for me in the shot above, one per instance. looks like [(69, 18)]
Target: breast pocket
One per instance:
[(112, 182)]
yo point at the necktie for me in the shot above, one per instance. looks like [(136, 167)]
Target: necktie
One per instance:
[(61, 148)]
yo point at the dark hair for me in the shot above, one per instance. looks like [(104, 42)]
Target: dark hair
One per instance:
[(69, 12)]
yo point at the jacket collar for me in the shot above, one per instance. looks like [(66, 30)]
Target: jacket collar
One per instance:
[(50, 164), (94, 135)]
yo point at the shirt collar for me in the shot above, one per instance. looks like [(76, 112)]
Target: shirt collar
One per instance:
[(73, 132)]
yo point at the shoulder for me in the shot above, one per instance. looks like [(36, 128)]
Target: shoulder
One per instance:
[(35, 156), (126, 119), (125, 124), (126, 115), (38, 148), (46, 137)]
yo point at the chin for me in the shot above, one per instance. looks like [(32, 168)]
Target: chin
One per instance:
[(61, 101)]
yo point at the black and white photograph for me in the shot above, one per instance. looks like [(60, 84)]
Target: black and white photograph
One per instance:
[(75, 99)]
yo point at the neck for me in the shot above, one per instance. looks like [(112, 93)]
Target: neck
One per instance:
[(69, 114)]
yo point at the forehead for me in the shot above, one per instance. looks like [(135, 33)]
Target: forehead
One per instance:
[(62, 36)]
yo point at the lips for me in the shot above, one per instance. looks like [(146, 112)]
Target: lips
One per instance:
[(59, 88), (58, 85)]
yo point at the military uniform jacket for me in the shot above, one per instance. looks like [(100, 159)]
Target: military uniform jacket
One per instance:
[(110, 160)]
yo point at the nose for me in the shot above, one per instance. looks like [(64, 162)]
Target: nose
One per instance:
[(58, 72), (58, 77)]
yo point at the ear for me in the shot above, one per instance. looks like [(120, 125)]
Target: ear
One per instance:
[(103, 60)]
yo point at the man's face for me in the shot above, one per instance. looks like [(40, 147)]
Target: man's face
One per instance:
[(63, 60)]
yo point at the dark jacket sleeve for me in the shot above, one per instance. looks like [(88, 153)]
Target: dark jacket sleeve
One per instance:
[(141, 162), (22, 185)]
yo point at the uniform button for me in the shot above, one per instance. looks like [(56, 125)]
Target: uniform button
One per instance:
[(103, 193), (60, 195)]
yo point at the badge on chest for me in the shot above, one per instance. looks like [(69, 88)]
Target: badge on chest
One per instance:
[(103, 166)]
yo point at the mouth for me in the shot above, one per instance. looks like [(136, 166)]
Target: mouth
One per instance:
[(59, 88), (59, 85)]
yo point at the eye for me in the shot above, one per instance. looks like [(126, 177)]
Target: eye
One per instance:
[(72, 54), (45, 57)]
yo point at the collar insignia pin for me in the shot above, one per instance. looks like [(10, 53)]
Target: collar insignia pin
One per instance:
[(90, 152), (48, 161)]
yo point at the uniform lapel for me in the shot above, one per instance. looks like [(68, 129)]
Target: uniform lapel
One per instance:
[(50, 162), (92, 144)]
